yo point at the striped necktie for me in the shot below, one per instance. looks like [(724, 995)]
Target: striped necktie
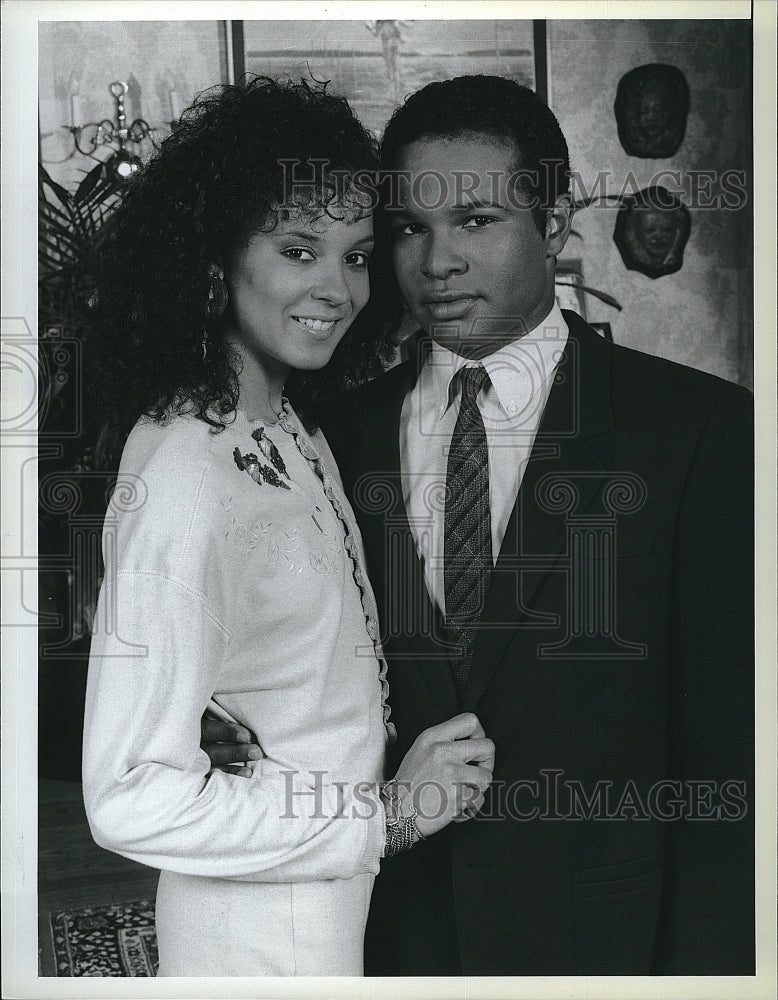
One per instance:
[(467, 533)]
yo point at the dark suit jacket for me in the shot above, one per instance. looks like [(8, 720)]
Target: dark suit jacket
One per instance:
[(614, 655)]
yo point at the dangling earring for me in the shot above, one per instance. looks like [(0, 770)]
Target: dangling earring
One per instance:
[(217, 293), (205, 344)]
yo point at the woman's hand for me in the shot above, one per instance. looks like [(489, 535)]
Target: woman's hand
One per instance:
[(228, 745), (445, 773)]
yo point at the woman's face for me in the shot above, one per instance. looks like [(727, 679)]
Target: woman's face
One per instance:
[(295, 291)]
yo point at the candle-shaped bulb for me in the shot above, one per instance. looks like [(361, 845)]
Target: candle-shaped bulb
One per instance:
[(74, 86), (176, 106)]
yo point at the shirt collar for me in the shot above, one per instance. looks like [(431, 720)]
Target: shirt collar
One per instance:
[(518, 371)]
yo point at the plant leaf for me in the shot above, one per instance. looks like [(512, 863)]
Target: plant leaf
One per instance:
[(602, 296), (59, 191), (591, 199), (50, 211), (89, 183)]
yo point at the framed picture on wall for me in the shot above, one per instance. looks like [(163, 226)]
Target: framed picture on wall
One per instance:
[(376, 64)]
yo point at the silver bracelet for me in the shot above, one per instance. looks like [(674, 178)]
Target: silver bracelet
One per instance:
[(401, 830)]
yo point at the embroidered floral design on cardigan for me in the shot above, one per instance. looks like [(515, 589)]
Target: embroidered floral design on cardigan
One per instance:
[(322, 560), (259, 472), (241, 534), (308, 451), (269, 450)]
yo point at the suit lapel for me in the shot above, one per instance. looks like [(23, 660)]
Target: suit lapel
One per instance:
[(563, 467), (410, 621)]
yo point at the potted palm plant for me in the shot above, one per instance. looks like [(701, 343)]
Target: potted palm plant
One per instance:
[(75, 460)]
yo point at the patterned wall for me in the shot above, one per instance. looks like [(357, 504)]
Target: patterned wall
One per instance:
[(702, 315)]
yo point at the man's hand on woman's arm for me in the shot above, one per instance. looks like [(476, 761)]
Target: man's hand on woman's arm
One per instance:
[(228, 745)]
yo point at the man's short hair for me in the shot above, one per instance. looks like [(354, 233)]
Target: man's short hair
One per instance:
[(494, 107)]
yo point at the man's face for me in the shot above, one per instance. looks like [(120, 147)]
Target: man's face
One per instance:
[(472, 266)]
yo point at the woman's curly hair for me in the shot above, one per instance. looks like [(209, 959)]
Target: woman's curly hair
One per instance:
[(215, 182)]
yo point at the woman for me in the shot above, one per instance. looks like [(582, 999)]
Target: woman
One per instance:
[(234, 574)]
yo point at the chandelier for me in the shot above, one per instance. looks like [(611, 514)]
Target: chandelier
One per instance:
[(125, 140)]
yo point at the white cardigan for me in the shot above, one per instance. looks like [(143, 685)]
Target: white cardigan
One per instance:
[(252, 595)]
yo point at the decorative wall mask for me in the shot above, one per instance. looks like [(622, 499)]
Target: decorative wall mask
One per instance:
[(652, 103), (652, 230)]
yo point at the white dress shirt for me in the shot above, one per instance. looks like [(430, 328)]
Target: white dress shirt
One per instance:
[(511, 405)]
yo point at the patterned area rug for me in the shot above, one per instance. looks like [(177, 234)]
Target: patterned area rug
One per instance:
[(117, 940)]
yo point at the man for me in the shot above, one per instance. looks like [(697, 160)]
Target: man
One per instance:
[(559, 537)]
